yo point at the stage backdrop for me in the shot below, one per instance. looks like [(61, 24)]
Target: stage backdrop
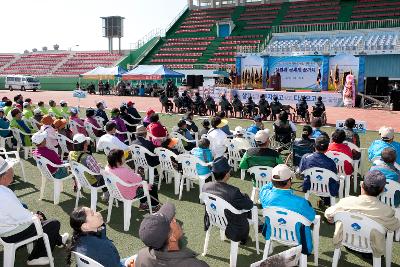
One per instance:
[(252, 70), (298, 71), (340, 64)]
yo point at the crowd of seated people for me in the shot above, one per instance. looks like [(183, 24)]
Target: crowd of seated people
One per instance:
[(160, 232)]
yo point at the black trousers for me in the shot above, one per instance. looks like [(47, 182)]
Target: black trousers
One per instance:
[(50, 227), (153, 195)]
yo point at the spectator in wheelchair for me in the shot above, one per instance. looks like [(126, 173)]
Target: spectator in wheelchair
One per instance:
[(162, 235), (226, 106), (276, 107), (211, 105), (278, 193), (284, 129), (257, 125), (14, 215), (351, 136), (237, 105), (302, 107), (261, 155), (238, 226), (165, 102), (318, 159), (316, 124), (250, 107), (199, 105), (386, 164), (387, 140), (369, 205), (318, 108), (303, 145), (264, 107)]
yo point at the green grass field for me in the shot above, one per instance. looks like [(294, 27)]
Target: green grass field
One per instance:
[(189, 212)]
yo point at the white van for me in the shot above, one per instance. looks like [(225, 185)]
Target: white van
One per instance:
[(22, 82)]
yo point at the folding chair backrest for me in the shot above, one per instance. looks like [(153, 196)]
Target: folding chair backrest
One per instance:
[(282, 223), (17, 135), (339, 158), (204, 136), (233, 151), (78, 170), (111, 181), (299, 152), (73, 127), (100, 121), (352, 146), (89, 130), (249, 136), (84, 261), (41, 163), (288, 258), (139, 155), (215, 208), (387, 196), (262, 175), (62, 141), (357, 230), (189, 163), (319, 179), (164, 156)]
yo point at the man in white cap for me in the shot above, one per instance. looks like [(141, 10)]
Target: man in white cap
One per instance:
[(261, 155), (239, 141), (387, 140), (278, 193), (39, 139), (14, 220)]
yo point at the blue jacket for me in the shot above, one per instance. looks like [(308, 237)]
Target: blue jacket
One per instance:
[(375, 149), (101, 113), (4, 124), (319, 160), (285, 198), (206, 156), (390, 172), (253, 129), (99, 248)]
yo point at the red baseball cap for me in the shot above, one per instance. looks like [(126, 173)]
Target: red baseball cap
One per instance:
[(130, 103), (150, 111)]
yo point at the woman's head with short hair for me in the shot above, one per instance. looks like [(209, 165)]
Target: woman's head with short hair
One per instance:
[(115, 158), (338, 136), (204, 143)]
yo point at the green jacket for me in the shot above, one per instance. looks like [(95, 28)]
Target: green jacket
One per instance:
[(257, 156), (57, 112), (44, 110), (26, 139)]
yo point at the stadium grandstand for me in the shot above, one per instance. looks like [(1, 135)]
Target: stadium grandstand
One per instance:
[(197, 40)]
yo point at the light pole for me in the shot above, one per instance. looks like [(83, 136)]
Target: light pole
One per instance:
[(70, 48)]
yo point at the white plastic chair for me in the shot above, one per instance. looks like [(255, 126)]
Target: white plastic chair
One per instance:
[(13, 158), (339, 159), (89, 129), (319, 179), (128, 135), (10, 248), (215, 208), (42, 163), (179, 146), (84, 261), (249, 136), (139, 158), (189, 172), (138, 119), (387, 197), (99, 120), (3, 140), (357, 236), (112, 183), (33, 123), (63, 142), (356, 163), (283, 231), (165, 157), (79, 171), (73, 126), (262, 175), (290, 256), (234, 157), (17, 136)]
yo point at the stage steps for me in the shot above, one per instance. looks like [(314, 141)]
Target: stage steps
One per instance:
[(282, 13), (209, 53)]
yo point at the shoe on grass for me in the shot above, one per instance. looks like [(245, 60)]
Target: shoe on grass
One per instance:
[(143, 207), (39, 261), (64, 239)]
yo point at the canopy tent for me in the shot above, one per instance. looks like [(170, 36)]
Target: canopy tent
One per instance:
[(102, 73), (151, 72)]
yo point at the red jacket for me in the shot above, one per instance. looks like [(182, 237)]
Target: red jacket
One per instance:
[(345, 149), (157, 129)]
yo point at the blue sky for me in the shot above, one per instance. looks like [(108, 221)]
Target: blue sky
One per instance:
[(28, 24)]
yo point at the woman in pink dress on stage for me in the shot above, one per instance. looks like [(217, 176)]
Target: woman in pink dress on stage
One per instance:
[(349, 91)]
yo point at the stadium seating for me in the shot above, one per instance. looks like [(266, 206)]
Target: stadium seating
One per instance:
[(371, 10), (5, 59)]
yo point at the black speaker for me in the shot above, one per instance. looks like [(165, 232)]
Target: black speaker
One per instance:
[(383, 86), (358, 101), (370, 87), (190, 79), (395, 99), (198, 80)]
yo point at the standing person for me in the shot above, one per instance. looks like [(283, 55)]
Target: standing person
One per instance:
[(237, 229), (351, 136), (217, 138), (170, 88), (368, 205), (47, 126), (278, 193), (14, 215), (264, 107), (116, 165), (121, 127), (161, 233), (101, 113)]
